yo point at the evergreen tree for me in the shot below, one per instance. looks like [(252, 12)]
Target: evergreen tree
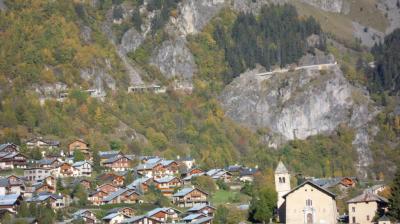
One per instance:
[(78, 156), (23, 210), (394, 199), (96, 161)]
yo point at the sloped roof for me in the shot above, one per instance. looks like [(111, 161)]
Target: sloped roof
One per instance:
[(80, 212), (186, 191), (198, 208), (367, 197), (137, 182), (80, 163), (192, 216), (165, 179), (281, 168), (9, 199), (202, 220), (312, 184), (111, 216)]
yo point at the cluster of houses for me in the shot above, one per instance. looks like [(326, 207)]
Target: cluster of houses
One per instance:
[(172, 178), (313, 201)]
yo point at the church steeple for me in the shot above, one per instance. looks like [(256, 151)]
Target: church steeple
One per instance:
[(282, 186)]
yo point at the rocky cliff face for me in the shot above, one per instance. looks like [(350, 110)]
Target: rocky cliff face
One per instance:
[(174, 59), (335, 6), (299, 104)]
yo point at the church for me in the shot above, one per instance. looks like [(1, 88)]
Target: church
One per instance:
[(308, 203)]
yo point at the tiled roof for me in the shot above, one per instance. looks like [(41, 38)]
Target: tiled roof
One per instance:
[(313, 185), (368, 197)]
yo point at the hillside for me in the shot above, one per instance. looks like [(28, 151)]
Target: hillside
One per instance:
[(66, 68)]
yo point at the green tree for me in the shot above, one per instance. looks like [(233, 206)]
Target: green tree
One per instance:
[(78, 156), (394, 199), (96, 161), (204, 183), (23, 210), (81, 194), (221, 215), (262, 205)]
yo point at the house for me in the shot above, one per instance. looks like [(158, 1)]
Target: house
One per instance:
[(235, 169), (164, 215), (41, 143), (108, 188), (115, 179), (11, 160), (208, 210), (170, 167), (309, 203), (117, 163), (364, 207), (219, 174), (10, 201), (35, 174), (188, 162), (130, 212), (84, 168), (204, 220), (43, 187), (193, 171), (12, 185), (9, 147), (48, 162), (84, 182), (193, 217), (65, 170), (189, 197), (86, 215), (122, 195), (97, 197), (141, 184), (247, 174), (105, 155), (80, 145), (114, 218), (384, 220), (167, 185), (141, 220), (149, 169), (56, 201)]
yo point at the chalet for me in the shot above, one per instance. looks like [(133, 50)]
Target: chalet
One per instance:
[(34, 174), (84, 168), (107, 188), (12, 185), (124, 195), (105, 155), (10, 201), (86, 215), (208, 210), (56, 201), (11, 160), (204, 220), (97, 197), (170, 167), (247, 174), (141, 220), (65, 170), (43, 187), (115, 179), (48, 162), (188, 162), (167, 185), (114, 218), (164, 215), (84, 182), (141, 184), (235, 170), (149, 169), (78, 145), (193, 171), (41, 143), (187, 180), (118, 163), (189, 197), (219, 174), (193, 217), (9, 147), (363, 208), (130, 212)]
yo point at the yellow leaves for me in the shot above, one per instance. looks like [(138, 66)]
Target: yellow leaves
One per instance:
[(48, 75)]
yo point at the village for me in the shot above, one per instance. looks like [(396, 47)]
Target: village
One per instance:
[(120, 192)]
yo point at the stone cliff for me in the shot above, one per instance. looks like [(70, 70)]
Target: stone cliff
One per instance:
[(300, 103)]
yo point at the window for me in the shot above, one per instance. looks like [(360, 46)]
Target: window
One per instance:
[(353, 209), (283, 179), (280, 180), (367, 217), (354, 220), (308, 202)]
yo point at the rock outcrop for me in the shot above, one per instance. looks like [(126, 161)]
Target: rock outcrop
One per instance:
[(298, 104), (3, 6), (252, 6), (335, 6), (174, 59)]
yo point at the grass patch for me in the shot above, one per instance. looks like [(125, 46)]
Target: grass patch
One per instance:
[(224, 197)]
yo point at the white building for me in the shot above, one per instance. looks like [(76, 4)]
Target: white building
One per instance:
[(84, 168), (282, 186)]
